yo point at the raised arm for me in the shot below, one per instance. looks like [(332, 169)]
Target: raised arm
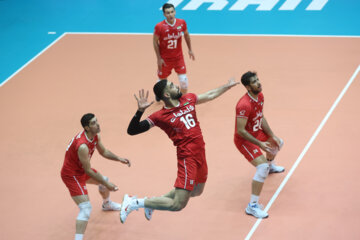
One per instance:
[(135, 126), (83, 153), (212, 94), (106, 153)]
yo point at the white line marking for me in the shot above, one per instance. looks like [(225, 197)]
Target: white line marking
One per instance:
[(51, 32), (304, 151), (1, 84), (223, 35), (195, 34)]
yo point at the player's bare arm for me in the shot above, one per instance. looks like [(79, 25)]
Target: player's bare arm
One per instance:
[(188, 43), (106, 153), (135, 126), (241, 123), (160, 61), (212, 94), (266, 127), (83, 153)]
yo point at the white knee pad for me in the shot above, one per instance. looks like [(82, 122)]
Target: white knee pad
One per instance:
[(102, 188), (262, 171), (183, 80), (85, 210)]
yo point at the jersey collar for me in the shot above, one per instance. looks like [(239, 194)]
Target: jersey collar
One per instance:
[(171, 25), (256, 100)]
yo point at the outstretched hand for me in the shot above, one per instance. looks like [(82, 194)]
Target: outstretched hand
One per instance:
[(125, 161), (231, 83), (143, 100)]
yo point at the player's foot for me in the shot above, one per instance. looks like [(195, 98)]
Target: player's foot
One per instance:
[(111, 206), (276, 169), (128, 205), (148, 213), (255, 209)]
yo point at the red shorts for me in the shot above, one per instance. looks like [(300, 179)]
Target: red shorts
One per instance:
[(192, 170), (76, 183), (250, 150), (177, 64)]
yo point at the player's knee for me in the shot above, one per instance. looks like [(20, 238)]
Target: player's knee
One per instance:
[(178, 206), (197, 192), (85, 211), (183, 80), (102, 188), (262, 171)]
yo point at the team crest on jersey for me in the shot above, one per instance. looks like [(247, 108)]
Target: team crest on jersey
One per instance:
[(179, 27)]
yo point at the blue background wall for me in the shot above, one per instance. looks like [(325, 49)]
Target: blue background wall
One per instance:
[(24, 24)]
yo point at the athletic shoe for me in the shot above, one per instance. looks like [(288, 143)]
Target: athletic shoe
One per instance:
[(148, 213), (275, 169), (255, 209), (128, 205), (111, 206)]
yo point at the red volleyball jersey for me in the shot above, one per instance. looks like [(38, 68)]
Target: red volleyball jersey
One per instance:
[(72, 165), (181, 125), (251, 109), (170, 37)]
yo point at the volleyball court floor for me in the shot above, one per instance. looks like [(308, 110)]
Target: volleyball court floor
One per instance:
[(302, 77)]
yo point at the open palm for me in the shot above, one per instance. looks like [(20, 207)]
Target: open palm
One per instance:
[(143, 100)]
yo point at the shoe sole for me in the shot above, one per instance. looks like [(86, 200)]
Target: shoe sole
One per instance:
[(255, 216), (277, 171), (146, 216), (123, 208)]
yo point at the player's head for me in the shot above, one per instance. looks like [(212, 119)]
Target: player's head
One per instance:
[(90, 123), (251, 82), (165, 89), (169, 11)]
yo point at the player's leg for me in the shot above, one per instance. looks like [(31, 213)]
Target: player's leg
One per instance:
[(198, 190), (82, 201), (254, 155), (77, 188), (107, 205), (180, 69), (129, 204)]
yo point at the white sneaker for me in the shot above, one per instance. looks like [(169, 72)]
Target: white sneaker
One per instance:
[(127, 207), (148, 213), (276, 169), (255, 209), (111, 206)]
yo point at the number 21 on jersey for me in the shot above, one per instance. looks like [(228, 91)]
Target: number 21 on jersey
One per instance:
[(172, 44), (188, 120)]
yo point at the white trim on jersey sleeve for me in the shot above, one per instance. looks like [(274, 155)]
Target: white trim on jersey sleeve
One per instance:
[(150, 122)]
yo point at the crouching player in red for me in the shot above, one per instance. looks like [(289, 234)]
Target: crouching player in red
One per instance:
[(252, 133), (77, 172), (179, 121)]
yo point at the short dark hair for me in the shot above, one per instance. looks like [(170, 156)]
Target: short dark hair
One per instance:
[(85, 120), (245, 78), (159, 88), (167, 5)]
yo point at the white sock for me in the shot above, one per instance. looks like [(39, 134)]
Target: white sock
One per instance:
[(79, 236), (254, 199), (106, 200), (140, 202)]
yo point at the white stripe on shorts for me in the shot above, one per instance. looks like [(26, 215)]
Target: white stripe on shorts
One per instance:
[(248, 152), (185, 173), (79, 185)]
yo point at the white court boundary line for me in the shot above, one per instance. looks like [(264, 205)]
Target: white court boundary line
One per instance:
[(312, 139), (31, 60), (195, 34)]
